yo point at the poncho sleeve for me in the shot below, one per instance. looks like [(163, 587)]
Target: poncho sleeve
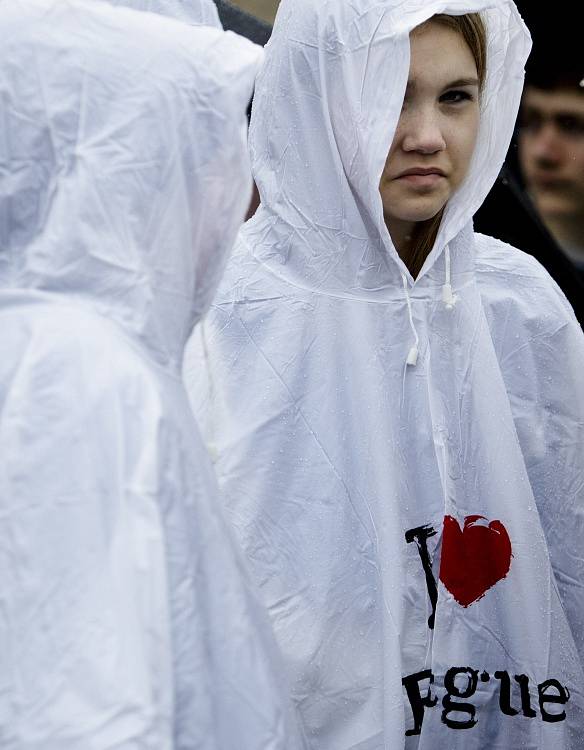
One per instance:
[(554, 455), (540, 347)]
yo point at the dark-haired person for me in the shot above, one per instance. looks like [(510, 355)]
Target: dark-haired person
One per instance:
[(394, 401), (551, 142)]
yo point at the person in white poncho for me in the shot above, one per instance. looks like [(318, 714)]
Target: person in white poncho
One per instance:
[(127, 619), (394, 402)]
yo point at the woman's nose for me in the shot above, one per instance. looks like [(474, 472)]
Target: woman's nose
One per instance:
[(423, 133)]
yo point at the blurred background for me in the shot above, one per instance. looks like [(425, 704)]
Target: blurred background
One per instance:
[(264, 9)]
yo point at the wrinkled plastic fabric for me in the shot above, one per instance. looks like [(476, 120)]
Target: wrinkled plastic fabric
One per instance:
[(360, 486), (127, 619), (193, 12)]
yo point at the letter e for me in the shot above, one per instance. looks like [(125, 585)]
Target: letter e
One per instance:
[(561, 696)]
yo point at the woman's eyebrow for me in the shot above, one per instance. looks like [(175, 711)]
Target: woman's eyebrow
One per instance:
[(463, 82), (412, 84)]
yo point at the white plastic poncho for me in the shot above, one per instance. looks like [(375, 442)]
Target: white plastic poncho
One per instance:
[(362, 488), (126, 618)]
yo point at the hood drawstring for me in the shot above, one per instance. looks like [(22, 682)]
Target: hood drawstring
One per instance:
[(448, 297), (414, 351)]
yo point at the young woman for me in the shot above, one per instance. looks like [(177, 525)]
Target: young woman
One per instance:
[(394, 402), (127, 618)]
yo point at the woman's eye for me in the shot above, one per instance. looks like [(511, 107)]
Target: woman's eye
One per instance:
[(455, 97)]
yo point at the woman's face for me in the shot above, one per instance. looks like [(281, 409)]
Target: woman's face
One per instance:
[(437, 129)]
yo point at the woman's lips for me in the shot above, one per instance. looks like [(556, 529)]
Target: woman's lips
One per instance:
[(422, 180)]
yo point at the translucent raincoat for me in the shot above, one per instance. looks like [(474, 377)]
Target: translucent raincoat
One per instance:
[(126, 618), (417, 529)]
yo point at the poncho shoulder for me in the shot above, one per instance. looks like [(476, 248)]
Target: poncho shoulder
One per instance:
[(508, 277)]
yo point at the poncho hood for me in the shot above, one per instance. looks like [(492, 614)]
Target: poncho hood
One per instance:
[(326, 108), (143, 148)]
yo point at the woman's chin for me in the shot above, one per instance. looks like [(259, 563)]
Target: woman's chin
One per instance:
[(415, 216), (414, 209)]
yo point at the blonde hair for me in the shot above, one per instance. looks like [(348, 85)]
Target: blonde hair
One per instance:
[(472, 29)]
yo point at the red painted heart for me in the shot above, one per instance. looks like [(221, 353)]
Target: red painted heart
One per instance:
[(474, 558)]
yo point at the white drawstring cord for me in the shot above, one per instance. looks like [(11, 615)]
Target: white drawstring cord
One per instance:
[(448, 297), (414, 351)]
